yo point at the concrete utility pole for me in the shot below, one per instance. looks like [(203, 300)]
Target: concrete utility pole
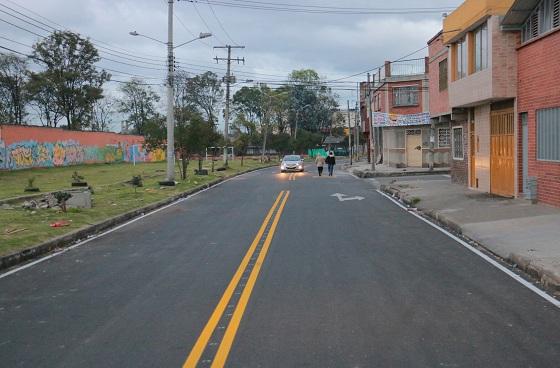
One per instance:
[(349, 132), (170, 179), (432, 143), (372, 150), (356, 132), (228, 79)]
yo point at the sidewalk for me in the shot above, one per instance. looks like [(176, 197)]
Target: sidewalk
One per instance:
[(524, 234), (362, 169)]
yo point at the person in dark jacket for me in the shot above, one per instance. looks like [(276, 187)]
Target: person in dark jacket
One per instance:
[(331, 161)]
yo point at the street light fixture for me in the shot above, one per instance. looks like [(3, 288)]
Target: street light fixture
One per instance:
[(170, 177)]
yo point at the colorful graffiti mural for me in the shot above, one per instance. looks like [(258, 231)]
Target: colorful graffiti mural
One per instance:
[(2, 154), (30, 153)]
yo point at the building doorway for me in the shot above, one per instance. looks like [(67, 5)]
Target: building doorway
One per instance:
[(501, 153), (414, 147)]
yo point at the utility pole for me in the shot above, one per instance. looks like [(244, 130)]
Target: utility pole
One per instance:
[(170, 179), (432, 143), (356, 131), (349, 131), (371, 150), (228, 79)]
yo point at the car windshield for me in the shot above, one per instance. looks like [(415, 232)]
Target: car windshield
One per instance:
[(292, 158)]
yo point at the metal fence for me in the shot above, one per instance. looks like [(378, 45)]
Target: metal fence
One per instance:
[(408, 67)]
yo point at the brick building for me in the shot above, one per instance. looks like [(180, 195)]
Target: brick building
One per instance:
[(482, 94), (538, 106), (400, 110), (440, 111)]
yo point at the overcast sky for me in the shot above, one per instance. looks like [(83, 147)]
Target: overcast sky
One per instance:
[(275, 42)]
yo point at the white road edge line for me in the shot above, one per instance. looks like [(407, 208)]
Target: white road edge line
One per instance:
[(62, 251), (488, 259)]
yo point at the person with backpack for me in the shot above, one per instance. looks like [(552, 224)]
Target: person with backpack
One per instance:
[(331, 161)]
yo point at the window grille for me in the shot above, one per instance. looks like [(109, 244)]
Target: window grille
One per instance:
[(458, 153), (405, 96), (444, 137), (548, 134)]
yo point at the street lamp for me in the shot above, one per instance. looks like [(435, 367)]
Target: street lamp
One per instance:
[(170, 177)]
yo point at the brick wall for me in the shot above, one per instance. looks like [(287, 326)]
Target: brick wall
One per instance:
[(31, 146), (460, 168), (539, 68), (439, 100), (504, 60)]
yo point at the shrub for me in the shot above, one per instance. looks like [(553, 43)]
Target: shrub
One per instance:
[(136, 182), (61, 198), (30, 185)]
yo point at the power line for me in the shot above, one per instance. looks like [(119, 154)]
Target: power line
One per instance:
[(61, 28), (291, 8), (206, 24), (377, 67), (220, 23), (125, 55), (335, 7)]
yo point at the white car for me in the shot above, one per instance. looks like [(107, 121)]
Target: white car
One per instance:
[(292, 163)]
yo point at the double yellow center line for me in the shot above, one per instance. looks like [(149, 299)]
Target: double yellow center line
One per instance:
[(292, 177), (233, 302)]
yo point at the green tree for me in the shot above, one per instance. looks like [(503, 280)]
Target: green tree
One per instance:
[(240, 144), (102, 114), (44, 101), (13, 89), (205, 95), (138, 103), (249, 102), (281, 142), (192, 136), (70, 74)]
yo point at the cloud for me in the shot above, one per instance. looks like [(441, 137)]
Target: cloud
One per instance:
[(276, 43)]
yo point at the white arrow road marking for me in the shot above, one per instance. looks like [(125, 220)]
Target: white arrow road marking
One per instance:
[(343, 197)]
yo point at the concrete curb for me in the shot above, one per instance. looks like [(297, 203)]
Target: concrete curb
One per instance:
[(376, 174), (548, 279), (67, 240)]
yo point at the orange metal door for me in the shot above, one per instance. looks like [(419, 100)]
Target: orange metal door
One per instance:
[(501, 153)]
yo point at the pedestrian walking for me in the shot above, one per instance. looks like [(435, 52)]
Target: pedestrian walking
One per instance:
[(331, 161), (320, 162)]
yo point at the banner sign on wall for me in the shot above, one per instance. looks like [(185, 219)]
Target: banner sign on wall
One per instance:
[(381, 119)]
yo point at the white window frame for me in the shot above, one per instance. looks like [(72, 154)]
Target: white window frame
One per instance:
[(453, 144)]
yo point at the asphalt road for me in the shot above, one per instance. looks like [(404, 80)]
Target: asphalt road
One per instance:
[(271, 270)]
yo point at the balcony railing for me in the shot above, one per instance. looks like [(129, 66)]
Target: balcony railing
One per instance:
[(408, 67)]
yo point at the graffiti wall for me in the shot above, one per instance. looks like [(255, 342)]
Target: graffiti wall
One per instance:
[(24, 147)]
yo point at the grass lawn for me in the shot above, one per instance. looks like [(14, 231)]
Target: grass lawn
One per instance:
[(20, 229)]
